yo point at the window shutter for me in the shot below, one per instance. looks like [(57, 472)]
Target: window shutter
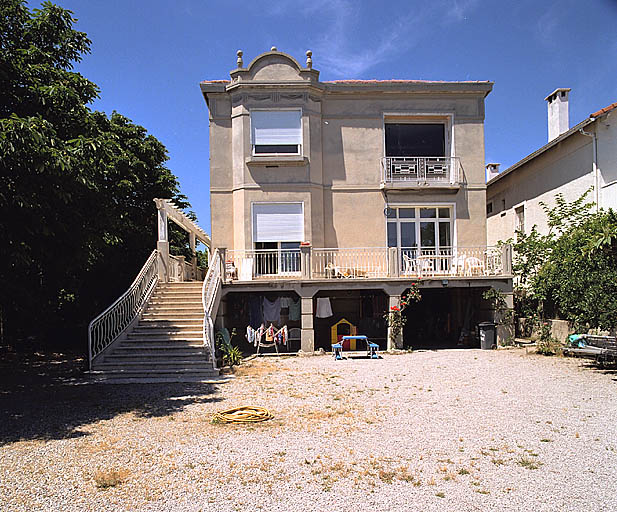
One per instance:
[(276, 127), (278, 222)]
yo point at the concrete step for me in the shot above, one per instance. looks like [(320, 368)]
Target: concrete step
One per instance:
[(168, 323), (190, 285), (185, 333), (169, 316), (162, 339), (175, 303), (189, 294), (139, 351), (179, 364), (155, 376), (159, 343)]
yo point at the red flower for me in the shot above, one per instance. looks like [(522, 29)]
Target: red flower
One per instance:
[(394, 308)]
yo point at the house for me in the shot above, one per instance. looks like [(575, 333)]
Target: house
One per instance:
[(329, 198), (573, 161)]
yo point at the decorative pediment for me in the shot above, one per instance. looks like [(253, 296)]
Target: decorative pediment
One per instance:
[(274, 66)]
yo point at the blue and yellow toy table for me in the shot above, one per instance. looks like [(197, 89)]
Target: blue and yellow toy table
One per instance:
[(371, 348)]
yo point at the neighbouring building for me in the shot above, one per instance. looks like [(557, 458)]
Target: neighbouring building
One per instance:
[(573, 161), (330, 198)]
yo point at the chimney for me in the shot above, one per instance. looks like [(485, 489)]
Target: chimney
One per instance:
[(558, 119), (492, 170)]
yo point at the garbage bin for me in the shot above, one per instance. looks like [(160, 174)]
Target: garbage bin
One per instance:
[(486, 333)]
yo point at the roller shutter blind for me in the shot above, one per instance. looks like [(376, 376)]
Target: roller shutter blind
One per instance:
[(276, 127), (278, 222)]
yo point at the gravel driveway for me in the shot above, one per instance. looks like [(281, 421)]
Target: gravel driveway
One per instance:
[(435, 430)]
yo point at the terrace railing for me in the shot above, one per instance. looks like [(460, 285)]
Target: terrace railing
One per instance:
[(263, 264), (209, 293), (359, 262), (421, 170), (454, 261), (309, 263), (111, 323)]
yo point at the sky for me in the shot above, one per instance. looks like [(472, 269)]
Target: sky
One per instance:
[(148, 58)]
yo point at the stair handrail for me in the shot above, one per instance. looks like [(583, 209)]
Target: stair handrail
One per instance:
[(107, 327), (209, 290)]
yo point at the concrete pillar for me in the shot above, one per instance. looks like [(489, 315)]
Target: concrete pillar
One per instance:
[(394, 300), (162, 246), (306, 251), (307, 335), (393, 262), (193, 255), (505, 331)]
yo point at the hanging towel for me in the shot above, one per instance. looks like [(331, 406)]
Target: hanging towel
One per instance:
[(294, 310), (324, 309), (272, 311), (284, 335), (258, 335), (255, 316), (250, 335)]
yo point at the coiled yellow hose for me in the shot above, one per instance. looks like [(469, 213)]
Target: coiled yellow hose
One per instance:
[(244, 414)]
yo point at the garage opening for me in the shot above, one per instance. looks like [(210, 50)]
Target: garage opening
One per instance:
[(445, 318), (352, 311), (243, 309)]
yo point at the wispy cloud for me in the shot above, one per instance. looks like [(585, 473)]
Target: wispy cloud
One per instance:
[(336, 44), (459, 9)]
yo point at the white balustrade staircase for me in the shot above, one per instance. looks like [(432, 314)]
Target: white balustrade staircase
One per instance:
[(166, 343)]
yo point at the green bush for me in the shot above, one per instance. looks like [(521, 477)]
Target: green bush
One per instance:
[(570, 273)]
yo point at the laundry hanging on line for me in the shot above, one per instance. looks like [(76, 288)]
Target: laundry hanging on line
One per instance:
[(324, 308)]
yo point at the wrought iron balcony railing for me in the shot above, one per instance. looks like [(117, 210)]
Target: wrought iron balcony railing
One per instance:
[(422, 171)]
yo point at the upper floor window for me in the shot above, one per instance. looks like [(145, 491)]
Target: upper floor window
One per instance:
[(276, 132), (520, 219), (415, 139)]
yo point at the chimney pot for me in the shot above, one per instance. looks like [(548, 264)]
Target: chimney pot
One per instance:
[(492, 170), (558, 116)]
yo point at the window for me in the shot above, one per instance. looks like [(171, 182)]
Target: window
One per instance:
[(489, 208), (427, 228), (276, 131), (520, 218), (415, 139), (278, 229)]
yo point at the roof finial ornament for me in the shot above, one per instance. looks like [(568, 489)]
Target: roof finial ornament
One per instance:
[(273, 49), (309, 60), (239, 61)]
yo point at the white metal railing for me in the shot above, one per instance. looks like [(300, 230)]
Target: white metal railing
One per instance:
[(246, 265), (368, 262), (359, 262), (422, 170), (452, 261), (112, 322), (209, 291)]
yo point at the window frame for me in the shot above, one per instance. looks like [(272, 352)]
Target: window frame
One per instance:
[(417, 220), (300, 146), (444, 118)]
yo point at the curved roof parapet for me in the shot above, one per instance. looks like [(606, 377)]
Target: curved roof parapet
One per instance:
[(274, 66)]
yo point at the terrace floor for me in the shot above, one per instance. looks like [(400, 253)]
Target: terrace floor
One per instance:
[(429, 430)]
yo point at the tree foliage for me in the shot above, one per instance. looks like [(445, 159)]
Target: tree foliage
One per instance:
[(77, 219), (571, 272)]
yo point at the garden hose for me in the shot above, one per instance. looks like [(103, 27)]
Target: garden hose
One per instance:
[(244, 414)]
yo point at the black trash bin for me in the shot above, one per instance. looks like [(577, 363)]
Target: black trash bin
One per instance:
[(487, 334)]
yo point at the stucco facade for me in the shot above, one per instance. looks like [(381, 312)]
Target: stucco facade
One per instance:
[(343, 144), (568, 165), (335, 168)]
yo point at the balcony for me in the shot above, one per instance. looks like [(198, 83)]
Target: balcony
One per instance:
[(403, 172), (316, 264)]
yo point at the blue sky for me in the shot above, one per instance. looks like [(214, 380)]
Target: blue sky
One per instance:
[(148, 58)]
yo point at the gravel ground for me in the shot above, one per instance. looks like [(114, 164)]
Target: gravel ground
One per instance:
[(435, 430)]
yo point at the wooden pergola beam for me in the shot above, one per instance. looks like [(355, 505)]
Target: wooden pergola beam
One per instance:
[(168, 210)]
